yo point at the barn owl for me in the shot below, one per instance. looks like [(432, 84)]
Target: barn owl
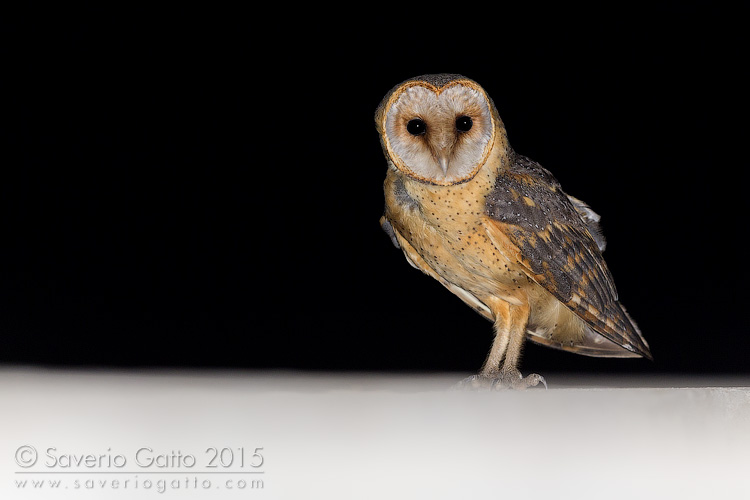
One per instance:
[(496, 229)]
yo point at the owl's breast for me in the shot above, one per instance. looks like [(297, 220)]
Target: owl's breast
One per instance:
[(442, 224)]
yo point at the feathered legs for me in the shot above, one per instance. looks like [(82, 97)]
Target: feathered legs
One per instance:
[(510, 332)]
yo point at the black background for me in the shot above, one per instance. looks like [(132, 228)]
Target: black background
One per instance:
[(203, 189)]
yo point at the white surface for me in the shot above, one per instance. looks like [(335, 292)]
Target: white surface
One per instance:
[(371, 436)]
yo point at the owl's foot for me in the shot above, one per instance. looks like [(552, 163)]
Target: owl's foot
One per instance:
[(474, 383), (514, 380), (499, 381)]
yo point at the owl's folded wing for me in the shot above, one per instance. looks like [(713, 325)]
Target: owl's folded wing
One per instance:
[(530, 220)]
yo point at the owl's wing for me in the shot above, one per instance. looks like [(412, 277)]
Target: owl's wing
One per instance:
[(531, 220), (591, 219)]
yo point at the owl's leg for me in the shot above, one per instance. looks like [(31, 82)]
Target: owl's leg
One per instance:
[(502, 312), (510, 332), (510, 376), (519, 319)]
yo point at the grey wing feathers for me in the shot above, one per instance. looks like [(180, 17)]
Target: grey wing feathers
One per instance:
[(559, 245), (591, 219), (388, 228)]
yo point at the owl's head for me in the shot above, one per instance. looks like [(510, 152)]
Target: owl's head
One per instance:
[(439, 128)]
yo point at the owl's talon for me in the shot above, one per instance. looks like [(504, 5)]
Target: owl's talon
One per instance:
[(474, 383), (533, 380), (514, 380), (509, 380)]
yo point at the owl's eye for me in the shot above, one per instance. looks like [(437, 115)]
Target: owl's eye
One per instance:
[(464, 123), (416, 126)]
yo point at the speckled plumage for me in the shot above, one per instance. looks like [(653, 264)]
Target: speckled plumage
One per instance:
[(499, 232), (557, 249)]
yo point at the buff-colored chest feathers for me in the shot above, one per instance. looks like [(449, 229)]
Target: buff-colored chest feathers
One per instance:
[(444, 225)]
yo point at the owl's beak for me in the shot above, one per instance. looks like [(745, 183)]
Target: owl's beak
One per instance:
[(443, 161), (443, 148)]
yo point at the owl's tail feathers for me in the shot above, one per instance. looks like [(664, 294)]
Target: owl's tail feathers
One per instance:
[(591, 343), (636, 337), (589, 338)]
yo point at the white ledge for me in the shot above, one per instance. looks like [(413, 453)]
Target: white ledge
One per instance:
[(376, 436)]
